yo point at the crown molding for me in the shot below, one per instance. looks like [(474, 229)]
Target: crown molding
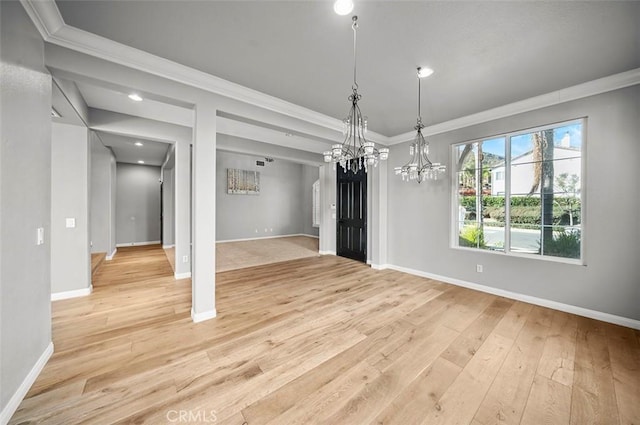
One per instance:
[(49, 22), (579, 91)]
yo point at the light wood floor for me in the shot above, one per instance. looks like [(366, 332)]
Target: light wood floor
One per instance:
[(241, 254), (325, 340)]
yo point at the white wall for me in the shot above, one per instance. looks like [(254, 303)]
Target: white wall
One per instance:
[(137, 204), (278, 208), (70, 251), (420, 215), (102, 196), (25, 196)]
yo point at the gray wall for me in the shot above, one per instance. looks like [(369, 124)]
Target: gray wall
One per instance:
[(103, 196), (278, 207), (309, 175), (70, 251), (420, 215), (137, 204), (168, 215), (25, 196)]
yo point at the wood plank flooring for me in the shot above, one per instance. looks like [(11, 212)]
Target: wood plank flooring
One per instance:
[(324, 340)]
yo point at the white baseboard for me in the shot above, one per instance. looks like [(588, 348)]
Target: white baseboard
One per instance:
[(55, 296), (167, 246), (568, 308), (138, 243), (268, 237), (201, 317), (327, 252), (179, 276), (110, 256), (21, 392)]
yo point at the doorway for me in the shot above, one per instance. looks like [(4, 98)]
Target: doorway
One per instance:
[(351, 226)]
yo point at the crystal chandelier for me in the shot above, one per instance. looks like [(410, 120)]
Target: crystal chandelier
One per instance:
[(355, 152), (420, 167)]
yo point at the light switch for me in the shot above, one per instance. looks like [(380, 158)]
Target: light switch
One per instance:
[(71, 223), (40, 237), (333, 206)]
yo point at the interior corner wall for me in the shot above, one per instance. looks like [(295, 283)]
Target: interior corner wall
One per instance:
[(310, 174), (102, 192), (112, 206), (137, 204), (70, 250), (168, 199), (276, 211), (25, 196), (420, 216)]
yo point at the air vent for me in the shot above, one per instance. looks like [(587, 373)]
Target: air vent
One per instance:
[(260, 163)]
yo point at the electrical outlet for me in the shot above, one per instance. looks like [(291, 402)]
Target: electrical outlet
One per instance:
[(185, 258), (479, 268)]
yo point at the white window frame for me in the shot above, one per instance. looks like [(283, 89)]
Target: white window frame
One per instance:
[(454, 241)]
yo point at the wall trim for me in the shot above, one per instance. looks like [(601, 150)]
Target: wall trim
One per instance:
[(327, 252), (110, 256), (56, 296), (267, 237), (21, 392), (555, 305), (121, 245), (168, 246), (185, 275), (201, 317), (579, 91)]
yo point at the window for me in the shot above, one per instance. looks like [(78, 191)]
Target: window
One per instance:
[(520, 193), (316, 204)]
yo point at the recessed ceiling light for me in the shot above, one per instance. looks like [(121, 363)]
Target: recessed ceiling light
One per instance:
[(140, 162), (139, 144), (424, 72), (343, 7), (135, 97)]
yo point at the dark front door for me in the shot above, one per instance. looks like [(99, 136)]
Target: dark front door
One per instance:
[(351, 223)]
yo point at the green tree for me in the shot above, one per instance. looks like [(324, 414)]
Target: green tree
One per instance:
[(570, 186)]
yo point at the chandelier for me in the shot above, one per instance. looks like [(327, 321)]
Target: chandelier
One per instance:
[(355, 152), (420, 167)]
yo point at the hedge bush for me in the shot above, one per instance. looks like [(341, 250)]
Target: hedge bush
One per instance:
[(524, 209)]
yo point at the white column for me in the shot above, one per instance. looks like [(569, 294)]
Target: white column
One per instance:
[(204, 214), (182, 209), (377, 207), (327, 214)]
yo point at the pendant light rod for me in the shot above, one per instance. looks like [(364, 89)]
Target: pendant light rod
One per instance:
[(356, 152), (419, 114), (354, 27), (420, 167)]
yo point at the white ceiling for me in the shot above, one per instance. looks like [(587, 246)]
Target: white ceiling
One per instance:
[(113, 100), (485, 54), (125, 150)]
